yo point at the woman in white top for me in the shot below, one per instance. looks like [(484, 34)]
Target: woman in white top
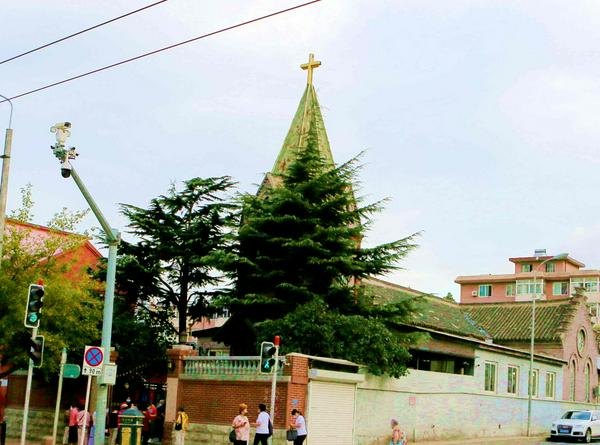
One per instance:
[(262, 425), (299, 424)]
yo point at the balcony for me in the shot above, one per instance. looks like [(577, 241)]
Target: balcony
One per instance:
[(225, 366), (529, 297)]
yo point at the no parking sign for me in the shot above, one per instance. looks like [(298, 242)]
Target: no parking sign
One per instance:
[(93, 358)]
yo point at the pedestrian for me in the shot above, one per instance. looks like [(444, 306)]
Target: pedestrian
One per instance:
[(92, 429), (83, 420), (73, 416), (160, 420), (180, 426), (113, 426), (398, 436), (146, 425), (241, 426), (299, 424), (65, 439), (152, 414), (262, 425), (123, 408)]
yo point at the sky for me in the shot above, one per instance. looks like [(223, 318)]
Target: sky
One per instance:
[(479, 120)]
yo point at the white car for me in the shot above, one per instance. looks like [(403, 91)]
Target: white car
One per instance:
[(577, 424)]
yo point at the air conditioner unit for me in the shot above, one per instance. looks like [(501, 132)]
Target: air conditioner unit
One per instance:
[(474, 293)]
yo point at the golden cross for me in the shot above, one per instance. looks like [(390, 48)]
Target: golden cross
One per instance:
[(310, 66)]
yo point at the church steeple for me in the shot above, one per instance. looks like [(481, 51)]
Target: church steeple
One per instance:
[(308, 117)]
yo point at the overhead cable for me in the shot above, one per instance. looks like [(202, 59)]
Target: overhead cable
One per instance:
[(185, 42), (62, 39)]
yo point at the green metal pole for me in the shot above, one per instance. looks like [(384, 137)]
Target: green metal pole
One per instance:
[(113, 238), (102, 390)]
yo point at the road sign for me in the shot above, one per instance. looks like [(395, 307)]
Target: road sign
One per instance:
[(71, 371), (93, 358)]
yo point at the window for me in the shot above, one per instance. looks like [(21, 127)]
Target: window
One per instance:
[(593, 310), (512, 380), (427, 361), (526, 267), (510, 290), (490, 376), (587, 382), (550, 267), (485, 290), (589, 284), (560, 288), (534, 387), (529, 287), (550, 385), (573, 370)]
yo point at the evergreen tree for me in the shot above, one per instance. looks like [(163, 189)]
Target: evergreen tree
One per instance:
[(180, 235), (298, 254)]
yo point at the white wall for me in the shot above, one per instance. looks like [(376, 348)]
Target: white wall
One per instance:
[(431, 405)]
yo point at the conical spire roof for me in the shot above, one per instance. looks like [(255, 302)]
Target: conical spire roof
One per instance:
[(308, 118)]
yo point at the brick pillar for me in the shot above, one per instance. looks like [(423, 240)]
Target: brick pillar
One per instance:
[(297, 369), (176, 366)]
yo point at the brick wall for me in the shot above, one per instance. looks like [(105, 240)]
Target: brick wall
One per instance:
[(216, 402), (43, 394)]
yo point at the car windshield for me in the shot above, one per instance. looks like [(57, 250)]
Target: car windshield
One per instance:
[(578, 415)]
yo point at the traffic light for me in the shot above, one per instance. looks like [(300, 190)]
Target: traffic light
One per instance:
[(267, 361), (36, 350), (33, 310)]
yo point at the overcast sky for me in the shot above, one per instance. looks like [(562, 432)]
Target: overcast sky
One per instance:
[(480, 119)]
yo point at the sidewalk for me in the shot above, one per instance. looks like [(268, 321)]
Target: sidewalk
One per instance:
[(512, 440)]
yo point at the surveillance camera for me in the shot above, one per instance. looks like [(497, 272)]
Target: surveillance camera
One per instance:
[(60, 126), (65, 169)]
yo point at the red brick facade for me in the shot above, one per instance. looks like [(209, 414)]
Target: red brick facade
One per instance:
[(216, 400)]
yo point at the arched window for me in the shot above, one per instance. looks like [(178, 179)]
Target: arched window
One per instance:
[(572, 380), (587, 382)]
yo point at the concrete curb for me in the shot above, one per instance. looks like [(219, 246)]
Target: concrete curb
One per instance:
[(512, 440)]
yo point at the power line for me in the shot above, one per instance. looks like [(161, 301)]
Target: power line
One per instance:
[(122, 62), (81, 32)]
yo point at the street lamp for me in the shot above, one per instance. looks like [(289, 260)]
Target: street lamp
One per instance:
[(561, 256)]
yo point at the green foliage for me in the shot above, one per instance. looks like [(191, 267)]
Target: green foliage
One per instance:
[(181, 236), (71, 314), (299, 249)]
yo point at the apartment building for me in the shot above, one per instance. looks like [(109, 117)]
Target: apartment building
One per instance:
[(547, 277)]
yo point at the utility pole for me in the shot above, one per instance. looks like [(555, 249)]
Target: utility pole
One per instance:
[(274, 381), (113, 239), (27, 394), (4, 180)]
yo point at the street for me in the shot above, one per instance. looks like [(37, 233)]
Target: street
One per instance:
[(502, 441)]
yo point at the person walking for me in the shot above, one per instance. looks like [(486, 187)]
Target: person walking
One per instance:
[(299, 424), (262, 425), (73, 415), (241, 426), (152, 414), (83, 419), (398, 436), (180, 426), (160, 420)]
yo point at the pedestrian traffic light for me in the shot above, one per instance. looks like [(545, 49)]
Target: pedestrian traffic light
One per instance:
[(267, 361), (35, 301), (36, 350)]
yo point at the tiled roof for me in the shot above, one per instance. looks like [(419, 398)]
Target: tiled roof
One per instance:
[(512, 321), (429, 311)]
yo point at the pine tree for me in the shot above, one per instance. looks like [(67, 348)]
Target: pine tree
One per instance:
[(180, 235), (299, 253)]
